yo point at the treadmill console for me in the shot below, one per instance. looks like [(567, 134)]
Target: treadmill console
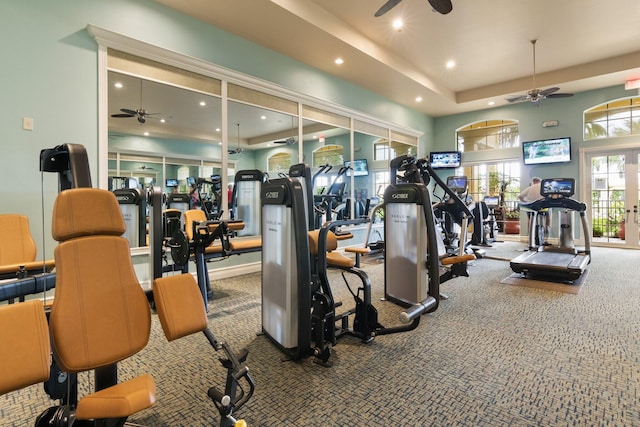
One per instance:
[(555, 188), (457, 184)]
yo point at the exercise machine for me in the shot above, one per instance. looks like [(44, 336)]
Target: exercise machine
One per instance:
[(210, 196), (564, 262), (490, 225), (245, 201), (411, 260), (453, 257), (326, 203), (177, 301), (133, 204), (298, 308)]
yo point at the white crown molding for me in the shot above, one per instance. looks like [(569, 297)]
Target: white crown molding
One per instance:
[(109, 39)]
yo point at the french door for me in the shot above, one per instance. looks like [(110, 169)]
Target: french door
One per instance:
[(615, 192)]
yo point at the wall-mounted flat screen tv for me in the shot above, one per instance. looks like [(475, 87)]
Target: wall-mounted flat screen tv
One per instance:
[(359, 167), (172, 183), (445, 159), (547, 151)]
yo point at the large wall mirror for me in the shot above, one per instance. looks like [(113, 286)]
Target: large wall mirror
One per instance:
[(168, 123)]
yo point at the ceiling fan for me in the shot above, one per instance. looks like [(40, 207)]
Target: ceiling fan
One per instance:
[(139, 113), (236, 150), (536, 95), (290, 140), (440, 6)]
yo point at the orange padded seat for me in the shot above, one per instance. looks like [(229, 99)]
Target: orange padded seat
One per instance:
[(197, 215), (245, 244), (25, 355), (334, 259), (100, 314), (17, 247)]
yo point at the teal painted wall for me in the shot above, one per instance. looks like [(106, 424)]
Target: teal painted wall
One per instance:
[(568, 112), (49, 73)]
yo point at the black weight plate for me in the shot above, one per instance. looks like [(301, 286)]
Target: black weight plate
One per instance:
[(179, 245)]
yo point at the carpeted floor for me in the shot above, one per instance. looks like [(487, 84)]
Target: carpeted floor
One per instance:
[(492, 355)]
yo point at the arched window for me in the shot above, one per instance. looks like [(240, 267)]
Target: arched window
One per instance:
[(613, 119), (328, 155), (488, 135), (280, 162)]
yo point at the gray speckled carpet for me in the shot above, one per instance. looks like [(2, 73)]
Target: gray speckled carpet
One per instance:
[(492, 355)]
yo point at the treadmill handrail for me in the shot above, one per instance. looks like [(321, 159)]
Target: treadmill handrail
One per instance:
[(562, 202)]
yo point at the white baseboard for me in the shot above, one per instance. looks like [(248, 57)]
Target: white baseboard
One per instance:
[(238, 270)]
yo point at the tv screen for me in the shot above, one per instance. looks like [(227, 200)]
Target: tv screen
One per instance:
[(191, 180), (358, 167), (172, 183), (546, 151), (445, 159)]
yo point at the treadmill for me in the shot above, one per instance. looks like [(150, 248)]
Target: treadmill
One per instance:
[(564, 264)]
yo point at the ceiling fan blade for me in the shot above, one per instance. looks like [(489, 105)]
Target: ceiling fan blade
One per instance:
[(548, 91), (123, 115), (517, 98), (283, 141), (390, 4), (559, 95), (130, 112), (441, 6)]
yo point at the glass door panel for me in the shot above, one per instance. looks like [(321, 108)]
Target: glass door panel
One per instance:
[(614, 198)]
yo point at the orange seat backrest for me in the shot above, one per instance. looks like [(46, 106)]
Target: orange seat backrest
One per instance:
[(25, 354), (191, 216), (332, 241), (100, 314), (16, 245), (179, 305)]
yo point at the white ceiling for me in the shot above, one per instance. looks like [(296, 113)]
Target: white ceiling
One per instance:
[(583, 44)]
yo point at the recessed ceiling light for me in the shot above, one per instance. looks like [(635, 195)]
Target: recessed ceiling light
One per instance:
[(339, 61), (492, 103), (202, 103), (146, 134), (418, 99), (451, 64), (398, 24), (219, 142), (263, 117), (118, 85), (217, 129), (163, 121)]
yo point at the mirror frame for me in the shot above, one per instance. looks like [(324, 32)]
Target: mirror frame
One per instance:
[(107, 39)]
